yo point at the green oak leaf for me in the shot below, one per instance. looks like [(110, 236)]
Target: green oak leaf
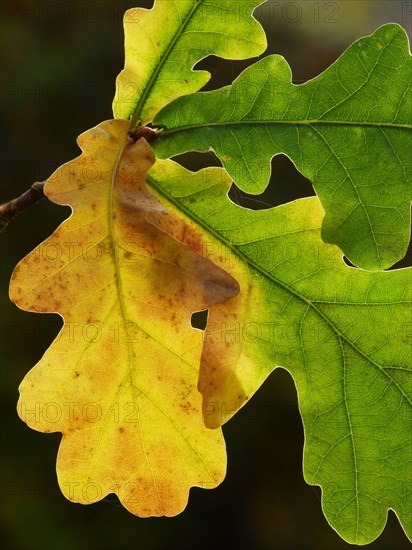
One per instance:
[(164, 43), (343, 334), (348, 131)]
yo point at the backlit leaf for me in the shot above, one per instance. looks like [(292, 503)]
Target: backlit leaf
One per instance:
[(348, 131), (120, 379), (163, 44), (130, 266), (343, 334)]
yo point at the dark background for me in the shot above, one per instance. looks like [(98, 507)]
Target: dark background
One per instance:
[(59, 63)]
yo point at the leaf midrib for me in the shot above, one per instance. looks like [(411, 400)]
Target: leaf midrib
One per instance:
[(153, 77), (115, 249), (313, 122), (255, 266)]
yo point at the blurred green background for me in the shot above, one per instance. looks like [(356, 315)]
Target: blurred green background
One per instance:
[(59, 63)]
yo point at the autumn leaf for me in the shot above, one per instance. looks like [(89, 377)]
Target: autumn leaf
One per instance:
[(348, 131), (342, 333), (120, 379), (150, 243), (164, 43)]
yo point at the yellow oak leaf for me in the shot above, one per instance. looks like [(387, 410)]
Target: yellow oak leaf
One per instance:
[(119, 381)]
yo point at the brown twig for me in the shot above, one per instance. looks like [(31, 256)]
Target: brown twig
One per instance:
[(11, 209)]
